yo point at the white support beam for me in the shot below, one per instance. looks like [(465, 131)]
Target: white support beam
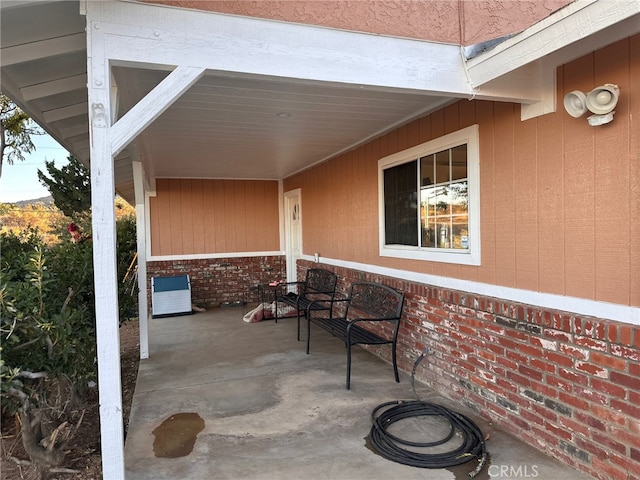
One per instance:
[(152, 105), (140, 34), (143, 307), (43, 49), (104, 259), (54, 87)]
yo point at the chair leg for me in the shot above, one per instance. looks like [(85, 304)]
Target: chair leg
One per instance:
[(395, 363), (308, 334), (349, 366), (298, 325)]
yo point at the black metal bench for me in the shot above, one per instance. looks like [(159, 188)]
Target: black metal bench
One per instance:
[(319, 284), (370, 315)]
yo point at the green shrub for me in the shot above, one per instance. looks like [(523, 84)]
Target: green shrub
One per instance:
[(47, 310)]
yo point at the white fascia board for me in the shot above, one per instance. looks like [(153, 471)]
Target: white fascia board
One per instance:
[(143, 35), (571, 24)]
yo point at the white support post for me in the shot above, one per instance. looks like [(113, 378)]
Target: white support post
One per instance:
[(104, 257), (143, 306)]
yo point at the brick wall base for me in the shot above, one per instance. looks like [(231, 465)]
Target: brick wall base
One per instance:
[(219, 280), (567, 385)]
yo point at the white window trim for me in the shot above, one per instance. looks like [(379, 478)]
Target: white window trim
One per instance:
[(471, 256)]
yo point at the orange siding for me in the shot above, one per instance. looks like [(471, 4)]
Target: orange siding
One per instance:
[(214, 216), (560, 200), (634, 172), (611, 174)]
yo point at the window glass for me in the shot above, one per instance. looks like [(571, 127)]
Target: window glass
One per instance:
[(427, 201), (401, 204)]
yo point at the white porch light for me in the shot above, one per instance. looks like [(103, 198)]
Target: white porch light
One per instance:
[(600, 101)]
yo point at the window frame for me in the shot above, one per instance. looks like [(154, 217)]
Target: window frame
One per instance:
[(471, 256)]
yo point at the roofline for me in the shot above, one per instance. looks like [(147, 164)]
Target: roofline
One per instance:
[(575, 22)]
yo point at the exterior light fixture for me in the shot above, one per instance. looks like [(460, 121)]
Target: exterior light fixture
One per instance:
[(600, 101)]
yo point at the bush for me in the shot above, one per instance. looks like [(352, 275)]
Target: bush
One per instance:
[(47, 304), (47, 321)]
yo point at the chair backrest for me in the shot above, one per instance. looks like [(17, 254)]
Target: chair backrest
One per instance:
[(319, 280), (376, 300)]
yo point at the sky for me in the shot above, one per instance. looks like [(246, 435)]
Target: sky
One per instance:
[(20, 180)]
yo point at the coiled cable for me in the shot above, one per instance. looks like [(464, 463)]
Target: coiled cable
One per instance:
[(393, 448)]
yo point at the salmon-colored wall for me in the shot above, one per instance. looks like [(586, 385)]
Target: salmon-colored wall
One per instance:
[(214, 216), (435, 20), (560, 200)]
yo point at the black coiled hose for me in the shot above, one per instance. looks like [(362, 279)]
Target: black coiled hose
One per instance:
[(392, 448)]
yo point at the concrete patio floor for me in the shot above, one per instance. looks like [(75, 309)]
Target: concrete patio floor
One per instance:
[(269, 411)]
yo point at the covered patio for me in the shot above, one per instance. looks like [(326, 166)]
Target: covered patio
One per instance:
[(271, 411)]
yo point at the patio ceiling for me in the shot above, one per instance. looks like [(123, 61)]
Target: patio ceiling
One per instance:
[(239, 125), (227, 125)]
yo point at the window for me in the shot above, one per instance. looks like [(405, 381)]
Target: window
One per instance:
[(430, 201)]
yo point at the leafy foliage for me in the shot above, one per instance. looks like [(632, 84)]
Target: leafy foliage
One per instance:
[(69, 186), (44, 337), (47, 316), (16, 129)]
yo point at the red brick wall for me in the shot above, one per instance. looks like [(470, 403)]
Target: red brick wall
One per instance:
[(214, 281), (568, 385)]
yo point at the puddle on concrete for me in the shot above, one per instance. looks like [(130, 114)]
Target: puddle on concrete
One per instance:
[(176, 436)]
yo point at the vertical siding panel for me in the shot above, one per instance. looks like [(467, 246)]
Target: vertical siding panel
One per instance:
[(550, 174), (425, 129), (413, 133), (257, 210), (371, 225), (210, 216), (392, 138), (198, 216), (485, 116), (250, 230), (579, 188), (240, 215), (526, 226), (219, 205), (402, 138), (452, 118), (437, 124), (505, 118), (186, 224), (164, 208), (175, 217), (315, 214), (335, 178), (451, 124), (154, 223), (273, 217), (349, 189), (612, 183), (634, 176), (230, 231), (467, 112)]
